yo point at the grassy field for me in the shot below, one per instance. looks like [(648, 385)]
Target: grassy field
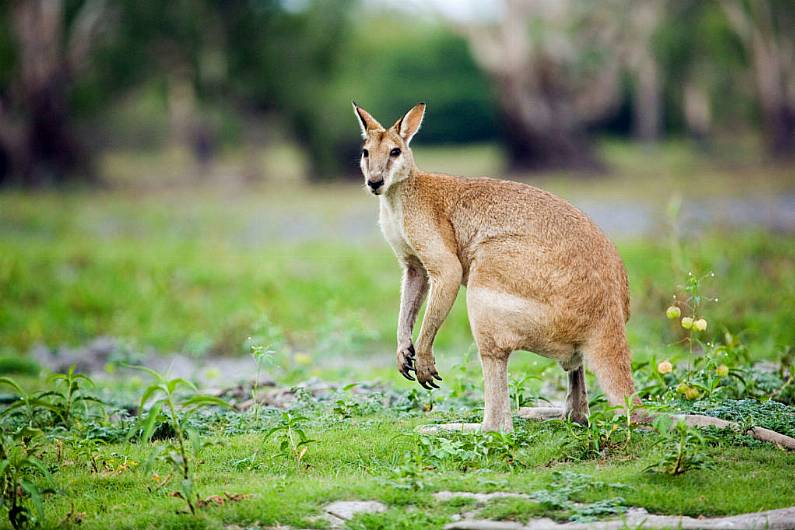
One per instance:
[(302, 271)]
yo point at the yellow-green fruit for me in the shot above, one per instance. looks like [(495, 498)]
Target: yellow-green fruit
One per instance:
[(700, 324), (682, 388), (673, 312), (687, 322), (665, 367), (692, 393), (722, 370)]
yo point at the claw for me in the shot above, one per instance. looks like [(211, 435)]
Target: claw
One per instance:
[(407, 376), (424, 384), (437, 377), (434, 385)]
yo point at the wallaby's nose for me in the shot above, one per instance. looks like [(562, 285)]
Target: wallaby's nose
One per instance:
[(375, 184)]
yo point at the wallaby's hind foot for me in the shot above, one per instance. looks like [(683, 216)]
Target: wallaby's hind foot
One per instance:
[(577, 398)]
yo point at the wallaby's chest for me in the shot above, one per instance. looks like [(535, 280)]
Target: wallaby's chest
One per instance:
[(390, 218)]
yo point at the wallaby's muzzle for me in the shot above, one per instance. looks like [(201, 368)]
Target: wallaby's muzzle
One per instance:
[(375, 185)]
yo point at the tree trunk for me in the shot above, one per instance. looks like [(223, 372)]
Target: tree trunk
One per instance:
[(530, 149), (647, 102), (43, 148), (55, 152), (770, 52), (542, 131), (780, 130)]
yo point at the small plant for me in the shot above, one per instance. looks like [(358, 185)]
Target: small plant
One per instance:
[(606, 429), (163, 396), (69, 393), (291, 438), (684, 448), (29, 406), (20, 469), (409, 474), (520, 393), (263, 357), (558, 496), (51, 407)]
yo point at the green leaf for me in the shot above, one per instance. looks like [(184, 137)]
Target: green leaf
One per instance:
[(173, 384), (13, 384), (149, 423), (149, 392), (205, 401), (35, 497), (155, 375), (39, 465), (274, 430)]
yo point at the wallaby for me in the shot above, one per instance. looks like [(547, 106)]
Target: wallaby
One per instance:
[(539, 275)]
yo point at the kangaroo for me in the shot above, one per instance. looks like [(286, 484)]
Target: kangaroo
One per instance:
[(539, 275)]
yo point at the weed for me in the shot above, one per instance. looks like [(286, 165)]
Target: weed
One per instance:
[(69, 393), (29, 405), (520, 393), (163, 394), (558, 496), (263, 356), (606, 430), (20, 469), (291, 438), (683, 448)]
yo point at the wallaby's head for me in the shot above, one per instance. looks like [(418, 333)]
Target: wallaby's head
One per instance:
[(386, 157)]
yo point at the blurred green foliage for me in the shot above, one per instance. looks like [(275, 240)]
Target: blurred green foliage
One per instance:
[(248, 60)]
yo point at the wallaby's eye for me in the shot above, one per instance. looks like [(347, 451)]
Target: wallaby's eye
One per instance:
[(365, 153), (395, 152)]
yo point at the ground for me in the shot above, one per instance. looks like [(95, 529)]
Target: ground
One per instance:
[(300, 277)]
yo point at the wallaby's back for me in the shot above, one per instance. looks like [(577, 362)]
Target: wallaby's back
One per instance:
[(522, 237)]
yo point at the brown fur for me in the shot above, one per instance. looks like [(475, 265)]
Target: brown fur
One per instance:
[(540, 276)]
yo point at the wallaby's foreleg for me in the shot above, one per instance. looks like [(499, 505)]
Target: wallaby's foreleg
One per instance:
[(413, 289), (577, 398), (445, 279), (497, 403)]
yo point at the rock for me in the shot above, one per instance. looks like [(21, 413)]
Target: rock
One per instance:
[(448, 427), (341, 511), (783, 519), (541, 413)]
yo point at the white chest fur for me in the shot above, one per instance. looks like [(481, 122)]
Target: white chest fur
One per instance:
[(391, 220)]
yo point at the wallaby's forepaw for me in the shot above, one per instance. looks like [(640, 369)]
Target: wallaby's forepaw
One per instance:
[(425, 368), (405, 361)]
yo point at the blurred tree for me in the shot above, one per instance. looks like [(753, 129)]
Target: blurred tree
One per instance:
[(641, 20), (255, 55), (52, 42), (392, 66), (553, 75), (767, 30), (289, 61)]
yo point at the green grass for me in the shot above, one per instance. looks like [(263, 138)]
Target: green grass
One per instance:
[(337, 469), (200, 273)]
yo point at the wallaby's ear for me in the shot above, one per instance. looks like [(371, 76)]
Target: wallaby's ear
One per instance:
[(366, 121), (409, 124)]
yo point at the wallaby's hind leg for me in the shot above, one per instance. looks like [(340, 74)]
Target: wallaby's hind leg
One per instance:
[(577, 398), (608, 356), (497, 407)]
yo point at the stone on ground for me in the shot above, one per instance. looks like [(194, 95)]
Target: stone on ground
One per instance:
[(341, 511)]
